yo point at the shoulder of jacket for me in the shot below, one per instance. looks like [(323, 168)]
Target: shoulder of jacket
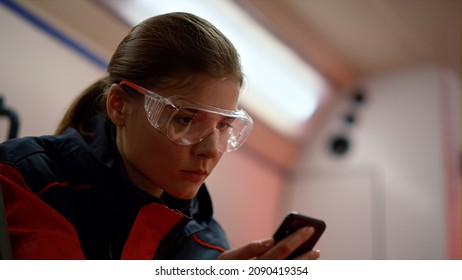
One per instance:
[(14, 150), (17, 149), (39, 160)]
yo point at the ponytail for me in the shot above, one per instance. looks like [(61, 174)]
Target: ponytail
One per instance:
[(89, 103)]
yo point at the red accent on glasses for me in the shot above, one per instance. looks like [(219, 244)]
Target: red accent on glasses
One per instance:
[(135, 87)]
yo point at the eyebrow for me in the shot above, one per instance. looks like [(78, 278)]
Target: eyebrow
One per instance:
[(195, 111), (192, 110)]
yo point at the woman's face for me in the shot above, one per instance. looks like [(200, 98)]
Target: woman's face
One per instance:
[(155, 163)]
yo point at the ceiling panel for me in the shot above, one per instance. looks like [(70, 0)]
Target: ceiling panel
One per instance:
[(366, 37)]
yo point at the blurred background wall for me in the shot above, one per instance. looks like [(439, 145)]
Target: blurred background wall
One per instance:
[(380, 158)]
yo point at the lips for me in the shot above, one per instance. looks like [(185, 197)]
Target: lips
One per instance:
[(195, 175)]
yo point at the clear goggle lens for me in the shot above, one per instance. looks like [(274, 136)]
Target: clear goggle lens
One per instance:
[(188, 123)]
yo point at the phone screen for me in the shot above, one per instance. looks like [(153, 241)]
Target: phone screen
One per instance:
[(295, 221)]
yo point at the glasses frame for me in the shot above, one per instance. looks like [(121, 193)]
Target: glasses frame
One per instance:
[(154, 115)]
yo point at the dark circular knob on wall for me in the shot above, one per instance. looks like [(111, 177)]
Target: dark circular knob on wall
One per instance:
[(339, 145)]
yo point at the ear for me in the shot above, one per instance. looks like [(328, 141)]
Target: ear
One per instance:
[(116, 102)]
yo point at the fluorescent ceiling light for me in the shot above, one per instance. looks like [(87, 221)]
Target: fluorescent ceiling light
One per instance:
[(281, 89)]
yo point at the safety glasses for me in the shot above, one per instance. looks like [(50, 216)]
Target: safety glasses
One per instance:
[(187, 123)]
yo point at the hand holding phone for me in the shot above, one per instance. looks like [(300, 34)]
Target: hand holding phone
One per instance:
[(295, 221)]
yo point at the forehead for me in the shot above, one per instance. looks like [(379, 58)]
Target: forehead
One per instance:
[(223, 94)]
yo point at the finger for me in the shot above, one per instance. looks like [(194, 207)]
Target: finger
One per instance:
[(289, 244), (310, 255), (249, 251)]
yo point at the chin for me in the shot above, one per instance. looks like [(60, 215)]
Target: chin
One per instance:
[(186, 195)]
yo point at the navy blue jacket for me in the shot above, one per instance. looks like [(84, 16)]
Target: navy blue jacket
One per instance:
[(68, 197)]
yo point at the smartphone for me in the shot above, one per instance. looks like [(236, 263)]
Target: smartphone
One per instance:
[(295, 221)]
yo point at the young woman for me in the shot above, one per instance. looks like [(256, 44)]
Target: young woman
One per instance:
[(123, 177)]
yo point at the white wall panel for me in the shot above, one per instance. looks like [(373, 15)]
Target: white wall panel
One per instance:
[(39, 76), (400, 136)]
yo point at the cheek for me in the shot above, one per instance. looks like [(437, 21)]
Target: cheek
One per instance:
[(142, 142), (152, 151)]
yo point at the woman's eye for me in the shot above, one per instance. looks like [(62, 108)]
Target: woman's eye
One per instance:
[(185, 120), (224, 125)]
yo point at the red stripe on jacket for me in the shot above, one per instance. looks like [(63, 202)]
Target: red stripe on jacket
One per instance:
[(50, 185), (37, 231), (153, 222), (208, 245)]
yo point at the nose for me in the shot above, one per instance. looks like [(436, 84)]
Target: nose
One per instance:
[(208, 147)]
